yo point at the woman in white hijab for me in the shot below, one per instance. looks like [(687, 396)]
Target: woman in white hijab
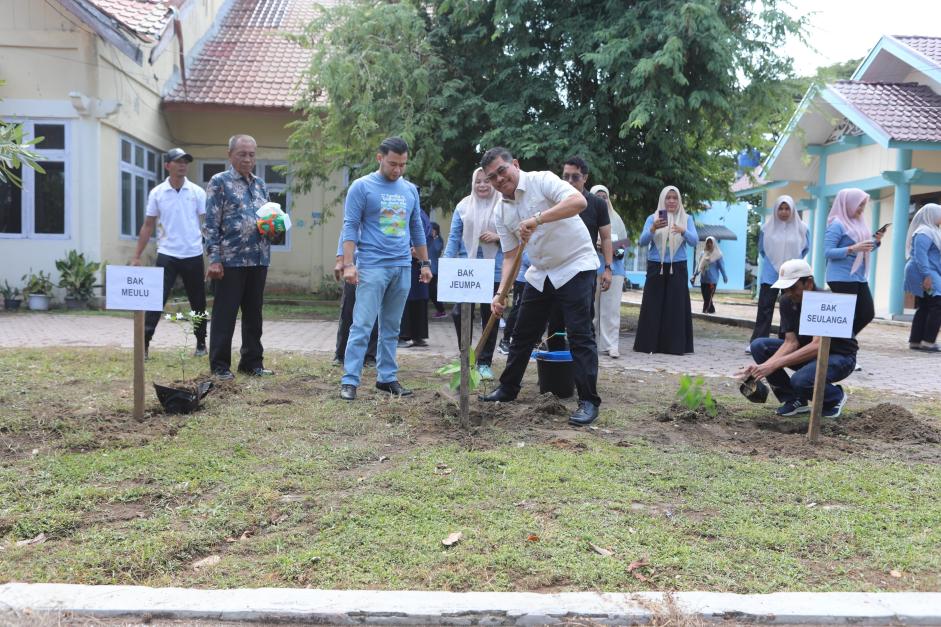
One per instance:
[(709, 267), (923, 277), (474, 234), (783, 236), (666, 322), (608, 302)]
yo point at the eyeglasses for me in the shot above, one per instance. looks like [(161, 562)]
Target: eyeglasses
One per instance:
[(497, 173), (572, 176)]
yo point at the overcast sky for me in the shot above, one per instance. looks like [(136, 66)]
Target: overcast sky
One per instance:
[(848, 29)]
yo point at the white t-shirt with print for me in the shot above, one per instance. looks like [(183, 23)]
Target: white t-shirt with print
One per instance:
[(178, 231)]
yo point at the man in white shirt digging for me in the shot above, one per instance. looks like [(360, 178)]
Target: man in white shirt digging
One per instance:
[(542, 210)]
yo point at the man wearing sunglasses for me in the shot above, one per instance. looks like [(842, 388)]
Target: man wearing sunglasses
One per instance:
[(541, 210)]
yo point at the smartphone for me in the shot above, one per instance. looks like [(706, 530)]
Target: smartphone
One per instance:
[(883, 227), (662, 214)]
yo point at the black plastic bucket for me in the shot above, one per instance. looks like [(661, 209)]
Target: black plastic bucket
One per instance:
[(181, 401), (556, 372)]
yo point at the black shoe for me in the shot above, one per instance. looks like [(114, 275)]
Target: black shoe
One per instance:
[(586, 414), (348, 392), (200, 350), (504, 347), (257, 372), (222, 374), (421, 343), (394, 388), (499, 395)]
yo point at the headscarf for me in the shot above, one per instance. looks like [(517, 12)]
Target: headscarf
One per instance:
[(709, 256), (846, 201), (925, 222), (663, 236), (618, 230), (477, 214), (783, 239)]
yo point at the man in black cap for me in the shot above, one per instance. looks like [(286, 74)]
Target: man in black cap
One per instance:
[(177, 209)]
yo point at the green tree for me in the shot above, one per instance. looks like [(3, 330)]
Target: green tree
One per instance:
[(651, 92)]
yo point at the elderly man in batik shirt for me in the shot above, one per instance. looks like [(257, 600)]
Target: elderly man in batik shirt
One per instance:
[(238, 260)]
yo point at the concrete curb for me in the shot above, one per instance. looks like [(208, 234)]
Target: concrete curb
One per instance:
[(347, 607)]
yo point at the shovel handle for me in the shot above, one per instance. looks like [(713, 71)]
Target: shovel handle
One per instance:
[(502, 294)]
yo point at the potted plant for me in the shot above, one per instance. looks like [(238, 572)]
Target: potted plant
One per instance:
[(38, 290), (11, 296), (183, 397), (77, 277)]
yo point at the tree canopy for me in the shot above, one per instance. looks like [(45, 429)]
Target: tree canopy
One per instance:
[(650, 92)]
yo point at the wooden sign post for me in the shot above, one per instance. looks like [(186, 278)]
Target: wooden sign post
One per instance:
[(825, 315), (465, 281), (137, 289)]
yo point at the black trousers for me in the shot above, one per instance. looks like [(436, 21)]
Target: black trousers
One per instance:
[(767, 299), (574, 299), (865, 308), (433, 294), (518, 288), (927, 320), (708, 293), (555, 341), (190, 269), (239, 288), (347, 302), (485, 358)]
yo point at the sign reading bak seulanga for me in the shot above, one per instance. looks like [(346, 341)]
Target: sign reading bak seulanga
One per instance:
[(825, 314), (134, 288), (465, 280)]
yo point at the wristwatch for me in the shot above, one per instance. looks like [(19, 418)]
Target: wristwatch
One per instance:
[(424, 264), (607, 266), (538, 218)]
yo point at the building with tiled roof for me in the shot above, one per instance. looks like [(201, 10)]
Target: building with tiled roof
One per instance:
[(880, 131), (112, 84)]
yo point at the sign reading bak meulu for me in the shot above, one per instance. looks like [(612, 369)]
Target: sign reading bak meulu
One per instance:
[(134, 288)]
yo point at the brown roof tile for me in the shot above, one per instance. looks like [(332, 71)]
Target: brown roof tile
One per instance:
[(248, 62), (146, 18), (906, 111), (927, 46)]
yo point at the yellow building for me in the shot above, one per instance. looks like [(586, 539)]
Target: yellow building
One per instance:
[(879, 131), (112, 84)]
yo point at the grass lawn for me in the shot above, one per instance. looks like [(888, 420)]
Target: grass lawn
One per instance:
[(290, 486)]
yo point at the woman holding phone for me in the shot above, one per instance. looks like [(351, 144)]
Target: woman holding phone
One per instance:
[(783, 236), (666, 321), (847, 245), (923, 277)]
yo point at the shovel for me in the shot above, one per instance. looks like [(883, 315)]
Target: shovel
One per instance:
[(502, 295)]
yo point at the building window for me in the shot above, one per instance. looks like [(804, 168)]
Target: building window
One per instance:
[(276, 182), (39, 209), (140, 172), (637, 259)]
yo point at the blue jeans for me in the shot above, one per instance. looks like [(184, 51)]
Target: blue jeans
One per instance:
[(381, 293), (800, 385)]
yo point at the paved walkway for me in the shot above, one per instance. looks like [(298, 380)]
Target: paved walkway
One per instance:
[(887, 363)]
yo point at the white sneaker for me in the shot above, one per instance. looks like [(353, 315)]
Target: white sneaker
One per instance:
[(857, 368), (613, 353), (748, 349)]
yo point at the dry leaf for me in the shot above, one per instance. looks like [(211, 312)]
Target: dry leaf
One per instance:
[(383, 458), (206, 562), (452, 539), (248, 533), (895, 573), (230, 539), (37, 540), (603, 552), (637, 564), (639, 576), (532, 538)]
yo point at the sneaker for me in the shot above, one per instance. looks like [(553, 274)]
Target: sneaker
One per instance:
[(504, 347), (613, 353), (915, 346), (222, 375), (834, 412), (928, 347), (748, 349), (792, 408), (403, 344), (485, 372), (857, 368), (200, 350), (337, 361), (419, 343)]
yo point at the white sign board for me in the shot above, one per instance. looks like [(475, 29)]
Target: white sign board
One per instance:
[(465, 280), (826, 314), (134, 288)]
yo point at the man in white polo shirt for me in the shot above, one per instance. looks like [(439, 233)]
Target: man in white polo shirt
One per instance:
[(541, 209), (176, 208)]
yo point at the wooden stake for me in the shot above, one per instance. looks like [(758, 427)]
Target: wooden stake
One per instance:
[(467, 324), (820, 381), (138, 365)]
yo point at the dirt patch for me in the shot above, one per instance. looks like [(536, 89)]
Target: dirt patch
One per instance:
[(889, 422), (678, 411)]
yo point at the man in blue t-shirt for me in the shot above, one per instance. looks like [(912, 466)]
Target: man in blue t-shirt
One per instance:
[(381, 222)]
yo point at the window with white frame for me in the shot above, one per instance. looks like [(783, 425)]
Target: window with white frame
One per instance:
[(141, 170), (275, 181), (39, 209), (637, 262)]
